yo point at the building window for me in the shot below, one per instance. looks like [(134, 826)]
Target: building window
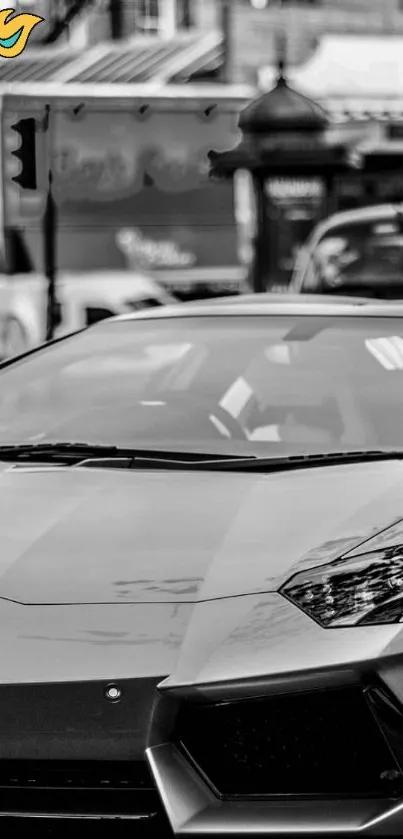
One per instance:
[(184, 14), (148, 15), (277, 4), (302, 2), (161, 16)]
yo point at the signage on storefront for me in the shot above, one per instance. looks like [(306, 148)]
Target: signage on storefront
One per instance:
[(100, 159), (141, 251), (295, 188), (133, 192)]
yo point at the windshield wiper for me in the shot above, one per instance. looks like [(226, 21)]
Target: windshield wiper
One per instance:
[(50, 450), (100, 455), (103, 456), (304, 461)]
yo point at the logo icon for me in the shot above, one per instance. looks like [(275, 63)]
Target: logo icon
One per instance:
[(15, 31)]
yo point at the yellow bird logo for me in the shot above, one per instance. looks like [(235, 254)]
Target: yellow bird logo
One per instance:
[(14, 32)]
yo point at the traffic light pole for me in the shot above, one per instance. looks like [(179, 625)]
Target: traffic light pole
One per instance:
[(49, 232), (49, 238), (226, 35)]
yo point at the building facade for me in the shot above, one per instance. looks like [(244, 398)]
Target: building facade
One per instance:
[(256, 24), (252, 26), (100, 18), (250, 31)]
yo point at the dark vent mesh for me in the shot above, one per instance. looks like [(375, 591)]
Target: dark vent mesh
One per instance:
[(324, 743), (77, 787)]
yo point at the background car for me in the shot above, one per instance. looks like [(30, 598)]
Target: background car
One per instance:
[(358, 252), (271, 298)]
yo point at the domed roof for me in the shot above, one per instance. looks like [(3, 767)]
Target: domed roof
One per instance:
[(282, 109)]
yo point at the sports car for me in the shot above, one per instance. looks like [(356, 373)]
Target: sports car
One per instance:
[(201, 571)]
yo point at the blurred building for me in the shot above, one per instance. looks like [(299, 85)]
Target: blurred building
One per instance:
[(345, 54), (253, 23), (249, 29), (131, 41), (255, 26), (103, 20)]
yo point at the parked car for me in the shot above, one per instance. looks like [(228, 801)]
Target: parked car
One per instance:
[(201, 572), (359, 253), (85, 297)]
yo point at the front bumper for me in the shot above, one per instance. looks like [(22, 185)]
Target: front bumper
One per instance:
[(195, 807), (193, 810), (123, 764)]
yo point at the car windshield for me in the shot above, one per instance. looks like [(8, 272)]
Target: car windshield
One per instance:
[(253, 385), (363, 259)]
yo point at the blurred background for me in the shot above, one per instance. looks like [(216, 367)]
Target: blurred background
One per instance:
[(195, 144)]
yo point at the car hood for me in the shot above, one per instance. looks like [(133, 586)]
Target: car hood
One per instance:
[(118, 536), (119, 574)]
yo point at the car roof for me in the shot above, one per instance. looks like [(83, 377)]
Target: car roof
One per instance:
[(269, 305), (282, 297), (373, 213)]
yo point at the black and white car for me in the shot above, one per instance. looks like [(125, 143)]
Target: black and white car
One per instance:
[(201, 574)]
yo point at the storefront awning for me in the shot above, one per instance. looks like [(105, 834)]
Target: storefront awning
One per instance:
[(136, 61)]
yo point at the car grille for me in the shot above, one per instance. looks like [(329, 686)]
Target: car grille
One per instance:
[(319, 744), (70, 788)]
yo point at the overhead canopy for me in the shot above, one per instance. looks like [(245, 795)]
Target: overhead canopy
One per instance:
[(134, 61), (348, 66)]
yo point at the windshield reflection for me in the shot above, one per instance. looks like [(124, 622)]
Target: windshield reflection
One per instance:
[(248, 385)]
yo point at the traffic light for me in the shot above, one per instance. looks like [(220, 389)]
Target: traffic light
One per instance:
[(26, 153)]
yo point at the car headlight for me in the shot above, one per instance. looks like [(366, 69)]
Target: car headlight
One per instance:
[(359, 588)]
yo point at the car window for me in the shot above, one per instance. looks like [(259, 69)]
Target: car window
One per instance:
[(145, 303), (364, 259), (228, 384), (3, 261), (15, 257)]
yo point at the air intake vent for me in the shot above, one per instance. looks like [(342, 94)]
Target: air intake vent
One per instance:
[(318, 744), (91, 788)]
